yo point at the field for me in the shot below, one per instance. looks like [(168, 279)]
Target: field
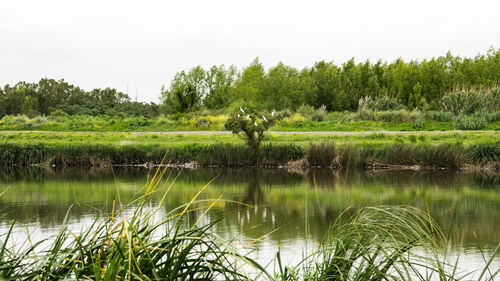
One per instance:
[(278, 138), (335, 121)]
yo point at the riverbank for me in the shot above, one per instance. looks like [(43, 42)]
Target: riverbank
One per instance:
[(317, 154)]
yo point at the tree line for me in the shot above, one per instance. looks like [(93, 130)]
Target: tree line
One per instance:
[(416, 84), (49, 96), (337, 87)]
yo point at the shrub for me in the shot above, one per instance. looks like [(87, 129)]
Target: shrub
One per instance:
[(306, 110), (495, 116), (441, 116), (319, 114), (15, 120), (470, 101), (282, 114), (365, 114), (57, 114), (477, 121), (383, 103), (392, 116), (418, 123)]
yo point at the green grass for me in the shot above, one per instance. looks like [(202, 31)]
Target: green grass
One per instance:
[(337, 121), (181, 139)]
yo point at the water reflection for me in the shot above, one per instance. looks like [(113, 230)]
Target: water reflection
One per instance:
[(299, 204)]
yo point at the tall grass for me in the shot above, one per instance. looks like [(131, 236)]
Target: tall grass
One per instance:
[(320, 154), (470, 101)]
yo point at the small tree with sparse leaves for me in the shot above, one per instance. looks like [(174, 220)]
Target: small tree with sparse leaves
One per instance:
[(250, 125)]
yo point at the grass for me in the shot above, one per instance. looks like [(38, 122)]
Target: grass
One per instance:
[(336, 121), (140, 242), (181, 139)]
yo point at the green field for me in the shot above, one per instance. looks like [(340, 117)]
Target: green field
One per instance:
[(301, 138)]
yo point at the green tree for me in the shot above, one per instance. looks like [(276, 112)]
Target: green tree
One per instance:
[(186, 91), (250, 125), (249, 85), (282, 88), (219, 82)]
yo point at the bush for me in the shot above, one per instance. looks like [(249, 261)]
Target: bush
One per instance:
[(477, 121), (392, 116), (441, 116), (320, 114), (418, 123), (306, 110), (282, 114), (495, 116), (468, 102), (15, 120), (365, 114), (57, 114), (383, 103)]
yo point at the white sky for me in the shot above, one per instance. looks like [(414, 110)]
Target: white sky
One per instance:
[(98, 44)]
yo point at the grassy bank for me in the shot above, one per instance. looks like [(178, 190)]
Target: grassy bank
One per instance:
[(322, 154), (144, 241), (300, 138), (398, 120)]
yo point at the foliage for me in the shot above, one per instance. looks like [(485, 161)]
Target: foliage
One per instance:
[(418, 123), (250, 125), (468, 102), (48, 96), (476, 121), (449, 83), (382, 103)]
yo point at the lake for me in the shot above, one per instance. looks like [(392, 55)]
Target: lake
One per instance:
[(287, 210)]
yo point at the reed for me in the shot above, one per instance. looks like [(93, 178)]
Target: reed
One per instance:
[(318, 154)]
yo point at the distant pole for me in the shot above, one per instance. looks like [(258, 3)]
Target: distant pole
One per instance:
[(135, 95), (127, 89)]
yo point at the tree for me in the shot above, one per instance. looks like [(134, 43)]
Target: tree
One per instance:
[(219, 82), (282, 88), (186, 91), (250, 125), (250, 82)]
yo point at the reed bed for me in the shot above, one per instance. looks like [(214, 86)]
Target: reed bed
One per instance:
[(321, 154)]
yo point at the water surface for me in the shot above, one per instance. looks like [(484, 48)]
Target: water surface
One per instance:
[(285, 209)]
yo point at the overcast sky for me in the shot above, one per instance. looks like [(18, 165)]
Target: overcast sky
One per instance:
[(97, 44)]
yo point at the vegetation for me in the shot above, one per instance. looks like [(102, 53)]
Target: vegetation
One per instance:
[(448, 151), (326, 87), (137, 243), (251, 126), (467, 109)]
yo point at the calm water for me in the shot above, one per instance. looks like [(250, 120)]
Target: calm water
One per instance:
[(299, 206)]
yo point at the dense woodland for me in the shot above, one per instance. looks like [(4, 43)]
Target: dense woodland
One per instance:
[(414, 84)]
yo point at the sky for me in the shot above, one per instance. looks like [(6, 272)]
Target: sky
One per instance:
[(140, 45)]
